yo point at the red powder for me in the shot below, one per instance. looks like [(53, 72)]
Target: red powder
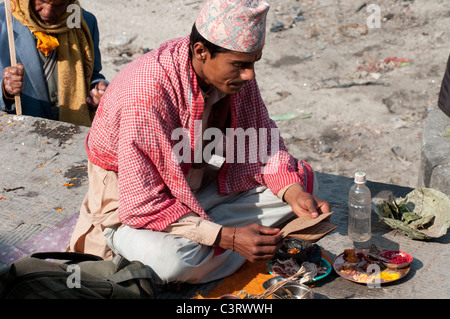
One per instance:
[(397, 258)]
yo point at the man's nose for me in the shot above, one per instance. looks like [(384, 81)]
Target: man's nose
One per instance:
[(248, 74), (47, 12)]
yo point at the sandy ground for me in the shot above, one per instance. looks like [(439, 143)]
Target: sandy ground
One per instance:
[(324, 64)]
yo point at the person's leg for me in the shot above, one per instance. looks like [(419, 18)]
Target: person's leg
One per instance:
[(177, 259), (258, 205), (172, 258)]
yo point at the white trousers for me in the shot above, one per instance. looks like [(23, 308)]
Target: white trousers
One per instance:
[(177, 259)]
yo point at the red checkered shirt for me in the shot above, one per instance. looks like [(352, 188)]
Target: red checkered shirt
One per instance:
[(132, 135)]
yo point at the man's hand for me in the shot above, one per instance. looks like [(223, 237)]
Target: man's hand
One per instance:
[(303, 203), (13, 79), (96, 94), (254, 242)]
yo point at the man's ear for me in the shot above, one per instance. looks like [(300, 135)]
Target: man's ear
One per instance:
[(199, 51)]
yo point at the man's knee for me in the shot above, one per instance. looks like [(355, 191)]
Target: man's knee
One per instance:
[(171, 258)]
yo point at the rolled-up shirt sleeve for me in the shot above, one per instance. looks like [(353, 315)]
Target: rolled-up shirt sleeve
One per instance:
[(195, 228)]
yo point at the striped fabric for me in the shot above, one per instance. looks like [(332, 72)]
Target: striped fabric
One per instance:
[(150, 99), (50, 64)]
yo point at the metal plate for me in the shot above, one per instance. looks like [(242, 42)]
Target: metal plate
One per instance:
[(354, 272)]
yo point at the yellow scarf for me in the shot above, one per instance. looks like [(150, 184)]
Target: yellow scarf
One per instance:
[(46, 43), (75, 59)]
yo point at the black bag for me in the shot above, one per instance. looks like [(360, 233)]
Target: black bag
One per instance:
[(75, 276)]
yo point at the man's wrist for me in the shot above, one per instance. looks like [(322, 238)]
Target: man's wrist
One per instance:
[(226, 237), (6, 95), (283, 191), (292, 192)]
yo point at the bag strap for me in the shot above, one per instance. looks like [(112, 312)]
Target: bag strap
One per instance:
[(125, 271), (72, 256), (129, 274)]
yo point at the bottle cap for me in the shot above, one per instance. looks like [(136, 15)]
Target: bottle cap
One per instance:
[(360, 177)]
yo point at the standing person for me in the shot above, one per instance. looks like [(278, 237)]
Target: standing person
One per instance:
[(159, 192), (59, 64)]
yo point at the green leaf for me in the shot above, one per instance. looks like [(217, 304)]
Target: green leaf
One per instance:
[(425, 213)]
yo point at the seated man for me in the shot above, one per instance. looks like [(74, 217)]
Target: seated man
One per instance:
[(58, 71), (187, 172)]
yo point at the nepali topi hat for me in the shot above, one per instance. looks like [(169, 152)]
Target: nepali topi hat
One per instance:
[(237, 25)]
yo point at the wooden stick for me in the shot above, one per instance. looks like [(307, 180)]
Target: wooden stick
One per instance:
[(12, 50)]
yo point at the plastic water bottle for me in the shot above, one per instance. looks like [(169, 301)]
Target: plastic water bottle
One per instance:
[(360, 208)]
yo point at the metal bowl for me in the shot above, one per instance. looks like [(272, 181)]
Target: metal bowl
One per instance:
[(293, 290), (272, 281), (389, 256)]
